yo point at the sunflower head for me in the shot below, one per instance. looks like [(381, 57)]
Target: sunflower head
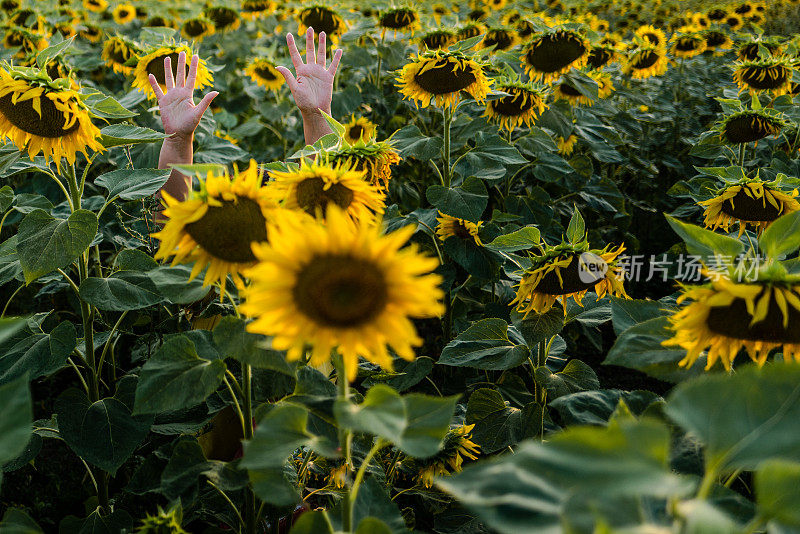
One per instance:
[(471, 30), (749, 125), (500, 39), (374, 157), (117, 52), (550, 54), (359, 129), (28, 19), (124, 13), (322, 19), (263, 72), (195, 29), (441, 38), (440, 76), (687, 45), (97, 6), (602, 55), (152, 62), (340, 286), (402, 19), (772, 74), (646, 61), (524, 103), (733, 21), (456, 446), (754, 48), (224, 18), (652, 36), (717, 41), (566, 145), (254, 9), (566, 91), (157, 21), (460, 229), (9, 5), (28, 42)]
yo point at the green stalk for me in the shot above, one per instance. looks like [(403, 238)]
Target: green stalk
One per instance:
[(344, 441), (741, 154), (380, 60), (247, 408), (447, 114)]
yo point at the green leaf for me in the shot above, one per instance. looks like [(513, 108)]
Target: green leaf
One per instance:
[(538, 327), (107, 107), (415, 423), (45, 243), (576, 376), (44, 57), (597, 407), (132, 184), (173, 283), (411, 143), (467, 201), (498, 425), (705, 243), (185, 466), (6, 198), (122, 291), (127, 134), (312, 523), (489, 158), (782, 236), (576, 230), (16, 417), (117, 521), (626, 313), (9, 326), (702, 517), (522, 239), (335, 125), (372, 501), (131, 259), (37, 354), (234, 341), (103, 433), (372, 525), (200, 170), (277, 435), (744, 418), (484, 345), (175, 377), (777, 485), (16, 521)]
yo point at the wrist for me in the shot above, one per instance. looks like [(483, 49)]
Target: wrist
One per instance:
[(179, 139), (314, 113)]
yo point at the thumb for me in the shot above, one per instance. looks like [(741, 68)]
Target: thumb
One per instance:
[(202, 106), (289, 77)]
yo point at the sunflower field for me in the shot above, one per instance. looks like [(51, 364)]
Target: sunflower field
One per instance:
[(474, 266)]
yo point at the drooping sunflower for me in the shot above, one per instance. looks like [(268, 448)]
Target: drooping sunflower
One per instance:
[(41, 115), (773, 74), (359, 128), (374, 157), (687, 45), (646, 61), (749, 125), (479, 13), (567, 271), (548, 55), (471, 30), (724, 317), (9, 5), (566, 91), (441, 38), (566, 145), (458, 228), (652, 35), (124, 13), (215, 226), (263, 72), (65, 29), (98, 6), (313, 187), (29, 19), (91, 33), (195, 29), (456, 446), (717, 15), (526, 101), (717, 41), (153, 63), (602, 55), (343, 286), (440, 76), (402, 19), (28, 42), (500, 38), (754, 48), (254, 9), (157, 21), (524, 28), (750, 201), (322, 19), (117, 51), (224, 18)]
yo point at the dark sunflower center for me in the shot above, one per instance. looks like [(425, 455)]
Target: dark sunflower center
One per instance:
[(524, 28), (477, 14), (312, 195), (356, 131), (653, 38), (734, 321), (501, 40), (397, 20), (23, 116), (568, 90), (750, 51), (687, 45), (156, 66), (572, 276), (14, 40), (442, 79), (194, 27), (321, 19), (555, 52), (743, 207), (341, 291), (743, 9), (717, 14), (715, 39), (120, 54), (123, 13), (747, 128), (469, 32), (227, 231), (733, 21), (511, 106), (9, 5), (157, 22), (460, 230), (436, 40), (22, 17), (266, 73), (598, 57), (765, 77), (222, 17), (645, 59)]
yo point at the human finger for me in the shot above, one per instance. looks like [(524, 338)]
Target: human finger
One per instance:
[(156, 88), (310, 60), (180, 75), (321, 50), (287, 75), (192, 78), (294, 53), (202, 106), (337, 55)]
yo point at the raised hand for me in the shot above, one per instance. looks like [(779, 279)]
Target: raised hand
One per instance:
[(179, 114), (312, 84)]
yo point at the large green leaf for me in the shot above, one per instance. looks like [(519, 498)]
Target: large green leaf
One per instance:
[(782, 236), (596, 407), (16, 521), (576, 376), (132, 184), (538, 327), (411, 143), (234, 341), (175, 377), (127, 134), (312, 523), (498, 425), (777, 485), (45, 243), (16, 416), (484, 345), (468, 201), (123, 290), (415, 423), (37, 354), (705, 243), (522, 239), (627, 312), (173, 283), (373, 501)]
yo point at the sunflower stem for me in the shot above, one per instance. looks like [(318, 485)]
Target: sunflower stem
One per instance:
[(380, 60), (379, 444), (250, 497), (741, 154), (446, 170), (344, 439)]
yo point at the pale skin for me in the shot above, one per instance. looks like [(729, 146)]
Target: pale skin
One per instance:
[(311, 87)]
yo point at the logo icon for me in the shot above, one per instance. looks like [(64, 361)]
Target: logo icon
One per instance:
[(591, 268)]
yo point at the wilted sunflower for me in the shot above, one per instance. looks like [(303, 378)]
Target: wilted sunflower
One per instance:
[(27, 41), (566, 91), (749, 125), (359, 128), (456, 446), (526, 101), (117, 51), (459, 228), (717, 41), (602, 55), (42, 115), (687, 45), (773, 74), (9, 5), (725, 317), (500, 38), (29, 19), (471, 30), (751, 201), (197, 28), (568, 271), (440, 76), (548, 55), (98, 6), (312, 187), (438, 39), (375, 157), (157, 21), (65, 29), (402, 19), (254, 9), (756, 47), (263, 72), (343, 286), (566, 146), (646, 61), (322, 19), (124, 13), (153, 63), (652, 35), (216, 226), (224, 18)]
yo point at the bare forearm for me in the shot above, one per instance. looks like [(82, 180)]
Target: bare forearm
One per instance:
[(177, 150), (315, 126)]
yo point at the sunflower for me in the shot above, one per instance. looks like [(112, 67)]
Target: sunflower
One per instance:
[(471, 30), (153, 63), (565, 91), (42, 115), (734, 21), (117, 51), (197, 28), (568, 270), (28, 19), (440, 76), (403, 19), (322, 19), (701, 20), (772, 74), (744, 9), (646, 61), (359, 128), (312, 187), (687, 45), (124, 13), (263, 72), (456, 446), (65, 29), (601, 55), (9, 5), (157, 21), (438, 39), (374, 157), (438, 11), (652, 35), (479, 14), (754, 48), (717, 15), (500, 38), (751, 201), (550, 54), (215, 226), (717, 41), (526, 101), (724, 317), (749, 125), (339, 285), (524, 28), (566, 145), (27, 41), (459, 228), (254, 9), (223, 18)]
